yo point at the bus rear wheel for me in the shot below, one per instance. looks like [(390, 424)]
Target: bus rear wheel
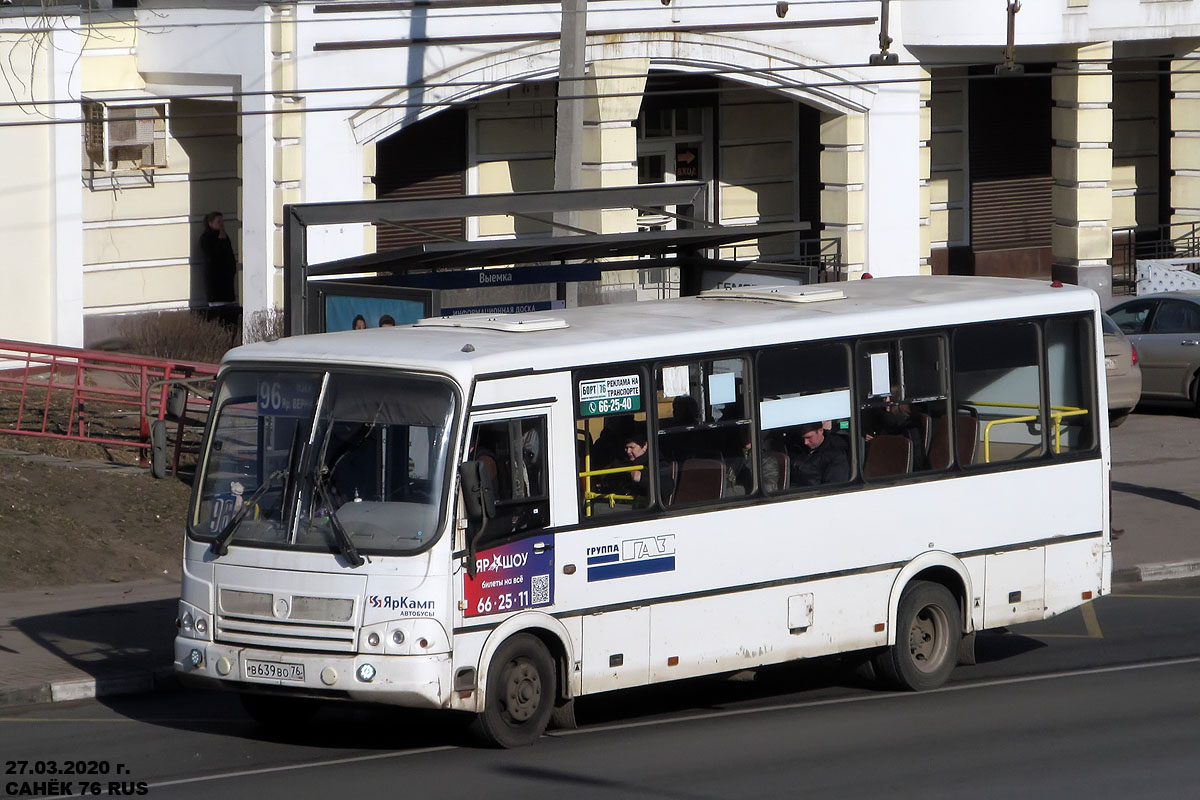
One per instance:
[(520, 693), (928, 630)]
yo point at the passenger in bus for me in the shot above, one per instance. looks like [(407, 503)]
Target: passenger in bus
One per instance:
[(820, 459), (635, 483)]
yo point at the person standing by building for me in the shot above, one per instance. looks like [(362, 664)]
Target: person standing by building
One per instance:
[(220, 263)]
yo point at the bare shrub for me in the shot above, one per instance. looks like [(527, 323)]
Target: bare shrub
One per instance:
[(264, 326), (177, 335)]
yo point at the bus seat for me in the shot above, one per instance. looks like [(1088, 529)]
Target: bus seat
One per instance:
[(939, 443), (888, 454), (782, 464), (925, 425), (967, 430), (699, 479)]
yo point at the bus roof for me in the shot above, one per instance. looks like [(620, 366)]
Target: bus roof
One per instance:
[(572, 337)]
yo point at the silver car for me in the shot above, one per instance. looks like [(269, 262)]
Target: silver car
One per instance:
[(1122, 371), (1165, 328)]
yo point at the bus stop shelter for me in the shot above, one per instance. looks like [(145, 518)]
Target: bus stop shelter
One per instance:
[(415, 273)]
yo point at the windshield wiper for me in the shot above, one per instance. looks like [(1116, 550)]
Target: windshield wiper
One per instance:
[(345, 543), (220, 544)]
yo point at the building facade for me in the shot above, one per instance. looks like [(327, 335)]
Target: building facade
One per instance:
[(950, 151)]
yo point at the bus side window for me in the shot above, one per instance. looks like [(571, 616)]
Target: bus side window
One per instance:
[(513, 451), (804, 413), (704, 432), (903, 401), (998, 383), (614, 456), (1069, 355)]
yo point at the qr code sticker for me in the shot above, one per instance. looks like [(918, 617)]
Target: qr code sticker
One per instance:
[(540, 590)]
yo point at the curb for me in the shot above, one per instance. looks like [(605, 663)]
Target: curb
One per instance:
[(135, 682), (1165, 571)]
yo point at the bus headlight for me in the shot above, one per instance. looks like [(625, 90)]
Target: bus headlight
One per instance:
[(195, 658), (193, 623)]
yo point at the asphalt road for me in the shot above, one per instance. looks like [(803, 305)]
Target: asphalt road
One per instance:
[(1101, 702)]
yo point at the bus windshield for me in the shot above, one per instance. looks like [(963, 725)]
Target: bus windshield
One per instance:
[(325, 461)]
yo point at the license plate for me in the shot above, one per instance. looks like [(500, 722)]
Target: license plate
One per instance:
[(274, 670)]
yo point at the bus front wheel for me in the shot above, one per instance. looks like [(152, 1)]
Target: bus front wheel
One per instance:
[(928, 630), (520, 693)]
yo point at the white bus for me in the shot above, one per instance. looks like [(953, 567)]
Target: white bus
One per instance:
[(499, 514)]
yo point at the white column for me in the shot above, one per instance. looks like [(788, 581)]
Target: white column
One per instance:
[(893, 181), (66, 246), (256, 192)]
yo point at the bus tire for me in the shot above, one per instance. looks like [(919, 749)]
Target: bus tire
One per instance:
[(277, 713), (520, 693), (928, 632)]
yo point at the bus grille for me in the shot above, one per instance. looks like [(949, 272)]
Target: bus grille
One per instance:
[(312, 623)]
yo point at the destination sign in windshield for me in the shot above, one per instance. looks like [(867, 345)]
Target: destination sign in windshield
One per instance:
[(287, 396)]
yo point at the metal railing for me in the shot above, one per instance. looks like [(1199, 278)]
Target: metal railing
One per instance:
[(97, 397), (1177, 240), (823, 257)]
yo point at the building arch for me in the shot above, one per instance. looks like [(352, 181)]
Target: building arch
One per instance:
[(827, 87)]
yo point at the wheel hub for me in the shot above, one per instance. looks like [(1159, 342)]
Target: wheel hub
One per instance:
[(523, 690)]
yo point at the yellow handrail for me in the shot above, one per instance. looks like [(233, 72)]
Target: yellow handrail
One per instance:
[(1057, 415), (589, 496)]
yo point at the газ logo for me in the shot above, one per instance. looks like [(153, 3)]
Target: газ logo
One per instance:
[(633, 557)]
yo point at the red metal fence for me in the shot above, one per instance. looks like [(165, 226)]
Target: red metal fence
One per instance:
[(111, 399)]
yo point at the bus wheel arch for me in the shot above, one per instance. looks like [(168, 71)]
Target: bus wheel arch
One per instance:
[(934, 567), (554, 638), (939, 569)]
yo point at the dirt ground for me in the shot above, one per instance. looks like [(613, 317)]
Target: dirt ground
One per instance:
[(61, 525)]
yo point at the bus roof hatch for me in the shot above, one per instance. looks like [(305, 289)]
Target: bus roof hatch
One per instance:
[(779, 294), (511, 323)]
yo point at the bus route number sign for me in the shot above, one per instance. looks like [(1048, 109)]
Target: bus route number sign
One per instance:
[(616, 395)]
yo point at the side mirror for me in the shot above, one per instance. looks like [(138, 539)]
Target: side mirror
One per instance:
[(479, 493), (479, 500)]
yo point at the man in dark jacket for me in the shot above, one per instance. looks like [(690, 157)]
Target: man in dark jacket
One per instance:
[(220, 264), (821, 459)]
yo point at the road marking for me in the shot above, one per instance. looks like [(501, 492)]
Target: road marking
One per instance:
[(691, 718), (889, 695), (1088, 610), (287, 768), (75, 719), (1160, 596), (1090, 623)]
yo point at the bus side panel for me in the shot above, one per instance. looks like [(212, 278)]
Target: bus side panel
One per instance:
[(740, 631), (1073, 569)]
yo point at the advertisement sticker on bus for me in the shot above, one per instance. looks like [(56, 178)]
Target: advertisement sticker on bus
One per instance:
[(615, 395), (511, 577)]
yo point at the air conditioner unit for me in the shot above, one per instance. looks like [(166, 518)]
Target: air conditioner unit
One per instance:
[(124, 135)]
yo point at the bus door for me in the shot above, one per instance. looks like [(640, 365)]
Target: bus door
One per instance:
[(513, 549)]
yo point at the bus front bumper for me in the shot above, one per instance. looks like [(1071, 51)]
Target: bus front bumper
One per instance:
[(409, 680)]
